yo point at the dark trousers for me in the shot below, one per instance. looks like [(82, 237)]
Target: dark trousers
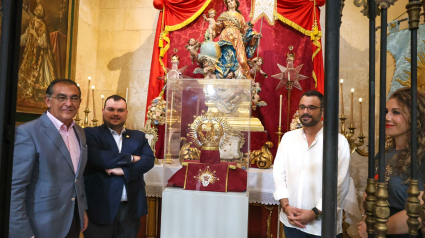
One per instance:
[(74, 230), (295, 233), (123, 226)]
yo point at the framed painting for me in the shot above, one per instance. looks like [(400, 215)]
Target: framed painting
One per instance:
[(48, 43)]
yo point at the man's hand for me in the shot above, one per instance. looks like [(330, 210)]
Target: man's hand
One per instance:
[(291, 212), (116, 171), (136, 158), (304, 217), (86, 222)]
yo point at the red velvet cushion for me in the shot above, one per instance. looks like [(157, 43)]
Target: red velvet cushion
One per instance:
[(206, 177), (237, 179)]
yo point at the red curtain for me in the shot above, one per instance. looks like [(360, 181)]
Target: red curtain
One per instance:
[(289, 30), (174, 15), (301, 15)]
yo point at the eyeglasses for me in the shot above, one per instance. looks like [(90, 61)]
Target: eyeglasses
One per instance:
[(309, 108), (62, 98)]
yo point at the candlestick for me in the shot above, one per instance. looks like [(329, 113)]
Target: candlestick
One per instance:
[(280, 112), (77, 118), (168, 158), (88, 93), (342, 98), (94, 107), (352, 107), (103, 103), (126, 95), (361, 122)]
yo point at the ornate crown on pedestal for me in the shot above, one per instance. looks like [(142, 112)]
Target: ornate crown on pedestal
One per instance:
[(209, 131)]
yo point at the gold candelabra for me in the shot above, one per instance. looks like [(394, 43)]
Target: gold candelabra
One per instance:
[(354, 146), (77, 119), (86, 118), (279, 134), (94, 120)]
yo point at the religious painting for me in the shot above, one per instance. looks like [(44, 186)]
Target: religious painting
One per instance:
[(47, 33)]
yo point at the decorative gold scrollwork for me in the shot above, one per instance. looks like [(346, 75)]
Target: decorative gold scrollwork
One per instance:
[(262, 158), (187, 152)]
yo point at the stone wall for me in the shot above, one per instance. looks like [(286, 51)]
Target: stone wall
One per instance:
[(119, 52)]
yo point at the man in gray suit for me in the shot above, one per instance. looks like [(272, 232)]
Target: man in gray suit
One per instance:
[(48, 198)]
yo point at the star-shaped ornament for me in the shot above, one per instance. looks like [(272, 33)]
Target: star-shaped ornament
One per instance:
[(289, 76)]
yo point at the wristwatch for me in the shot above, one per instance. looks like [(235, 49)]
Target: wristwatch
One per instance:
[(317, 213)]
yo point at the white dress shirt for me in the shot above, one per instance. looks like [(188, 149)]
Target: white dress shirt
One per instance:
[(118, 140), (297, 173)]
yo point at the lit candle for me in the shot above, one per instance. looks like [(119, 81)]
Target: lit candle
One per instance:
[(88, 93), (342, 98), (126, 95), (352, 108), (361, 123), (280, 112), (102, 100), (94, 107)]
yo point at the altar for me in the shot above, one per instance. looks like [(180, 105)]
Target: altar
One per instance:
[(194, 214)]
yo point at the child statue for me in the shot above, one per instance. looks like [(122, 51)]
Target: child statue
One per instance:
[(193, 47), (255, 64), (207, 71), (210, 33)]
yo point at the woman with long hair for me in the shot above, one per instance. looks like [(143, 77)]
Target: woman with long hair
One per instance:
[(397, 158)]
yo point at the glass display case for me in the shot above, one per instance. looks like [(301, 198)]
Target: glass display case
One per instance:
[(207, 133)]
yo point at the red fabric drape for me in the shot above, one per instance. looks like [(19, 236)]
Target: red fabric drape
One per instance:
[(303, 14), (175, 12), (273, 48), (155, 85)]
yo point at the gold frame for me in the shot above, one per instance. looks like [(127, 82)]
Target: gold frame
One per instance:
[(71, 52), (241, 143)]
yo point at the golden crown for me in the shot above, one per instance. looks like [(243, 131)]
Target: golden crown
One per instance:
[(209, 131)]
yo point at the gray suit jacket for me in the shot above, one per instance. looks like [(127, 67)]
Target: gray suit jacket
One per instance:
[(45, 187)]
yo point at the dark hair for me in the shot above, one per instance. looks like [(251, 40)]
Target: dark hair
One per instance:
[(49, 90), (237, 5), (314, 93), (116, 98), (403, 96)]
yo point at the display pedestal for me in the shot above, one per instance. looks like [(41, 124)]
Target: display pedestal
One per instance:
[(194, 214)]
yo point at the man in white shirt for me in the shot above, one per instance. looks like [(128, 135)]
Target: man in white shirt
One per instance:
[(297, 172)]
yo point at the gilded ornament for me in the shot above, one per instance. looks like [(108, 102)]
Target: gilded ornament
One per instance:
[(262, 158), (157, 111), (208, 131), (187, 152)]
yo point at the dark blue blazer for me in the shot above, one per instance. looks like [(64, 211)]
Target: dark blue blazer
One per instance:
[(104, 191)]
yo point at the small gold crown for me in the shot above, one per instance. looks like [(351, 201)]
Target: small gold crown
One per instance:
[(208, 131)]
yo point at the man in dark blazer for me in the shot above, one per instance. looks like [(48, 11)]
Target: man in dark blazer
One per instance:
[(47, 195), (118, 158)]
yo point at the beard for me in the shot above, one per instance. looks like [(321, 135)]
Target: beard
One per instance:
[(312, 122), (111, 126)]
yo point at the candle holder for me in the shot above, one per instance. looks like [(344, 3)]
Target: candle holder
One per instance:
[(354, 146), (279, 135), (77, 119), (86, 118), (94, 121)]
